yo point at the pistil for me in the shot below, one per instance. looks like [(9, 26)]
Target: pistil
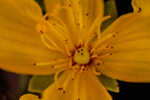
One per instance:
[(81, 56)]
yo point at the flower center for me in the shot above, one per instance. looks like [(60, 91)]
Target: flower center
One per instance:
[(81, 56)]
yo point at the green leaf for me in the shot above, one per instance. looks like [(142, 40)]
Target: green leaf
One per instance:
[(109, 9), (39, 83), (109, 83)]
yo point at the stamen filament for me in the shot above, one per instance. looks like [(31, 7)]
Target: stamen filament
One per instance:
[(92, 50), (65, 41), (94, 56), (70, 63), (96, 23), (74, 74), (54, 47), (56, 76), (105, 55), (95, 71), (56, 82), (53, 62), (62, 27), (66, 82), (46, 44), (77, 13), (83, 68), (67, 48), (56, 31), (102, 40), (64, 65), (76, 88)]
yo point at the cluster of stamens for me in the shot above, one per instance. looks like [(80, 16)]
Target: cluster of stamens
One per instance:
[(80, 58)]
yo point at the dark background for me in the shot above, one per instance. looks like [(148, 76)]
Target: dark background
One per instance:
[(123, 6), (128, 91)]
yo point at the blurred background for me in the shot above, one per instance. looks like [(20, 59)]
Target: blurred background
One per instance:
[(13, 85)]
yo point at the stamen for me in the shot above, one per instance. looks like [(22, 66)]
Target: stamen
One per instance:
[(94, 56), (95, 67), (96, 23), (63, 87), (56, 82), (75, 19), (105, 38), (77, 13), (87, 14), (94, 70), (54, 47), (45, 39), (53, 62), (83, 69), (60, 66), (61, 26), (105, 55), (70, 62), (67, 47), (46, 44), (92, 50), (56, 31), (65, 41), (56, 76), (76, 88), (76, 67), (50, 40), (66, 82), (74, 74), (80, 41)]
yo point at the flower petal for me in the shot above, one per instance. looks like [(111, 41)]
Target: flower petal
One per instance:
[(91, 9), (60, 9), (56, 33), (56, 91), (77, 15), (85, 11), (91, 88), (141, 5), (20, 45), (83, 86), (130, 55), (29, 97), (92, 14)]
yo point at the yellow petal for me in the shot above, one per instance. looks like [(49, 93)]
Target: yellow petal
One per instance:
[(21, 45), (28, 9), (77, 15), (141, 5), (91, 88), (56, 90), (91, 9), (29, 97), (80, 86), (57, 32), (130, 55), (54, 7), (60, 9), (92, 13)]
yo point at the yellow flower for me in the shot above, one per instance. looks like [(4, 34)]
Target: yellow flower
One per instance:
[(62, 40)]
